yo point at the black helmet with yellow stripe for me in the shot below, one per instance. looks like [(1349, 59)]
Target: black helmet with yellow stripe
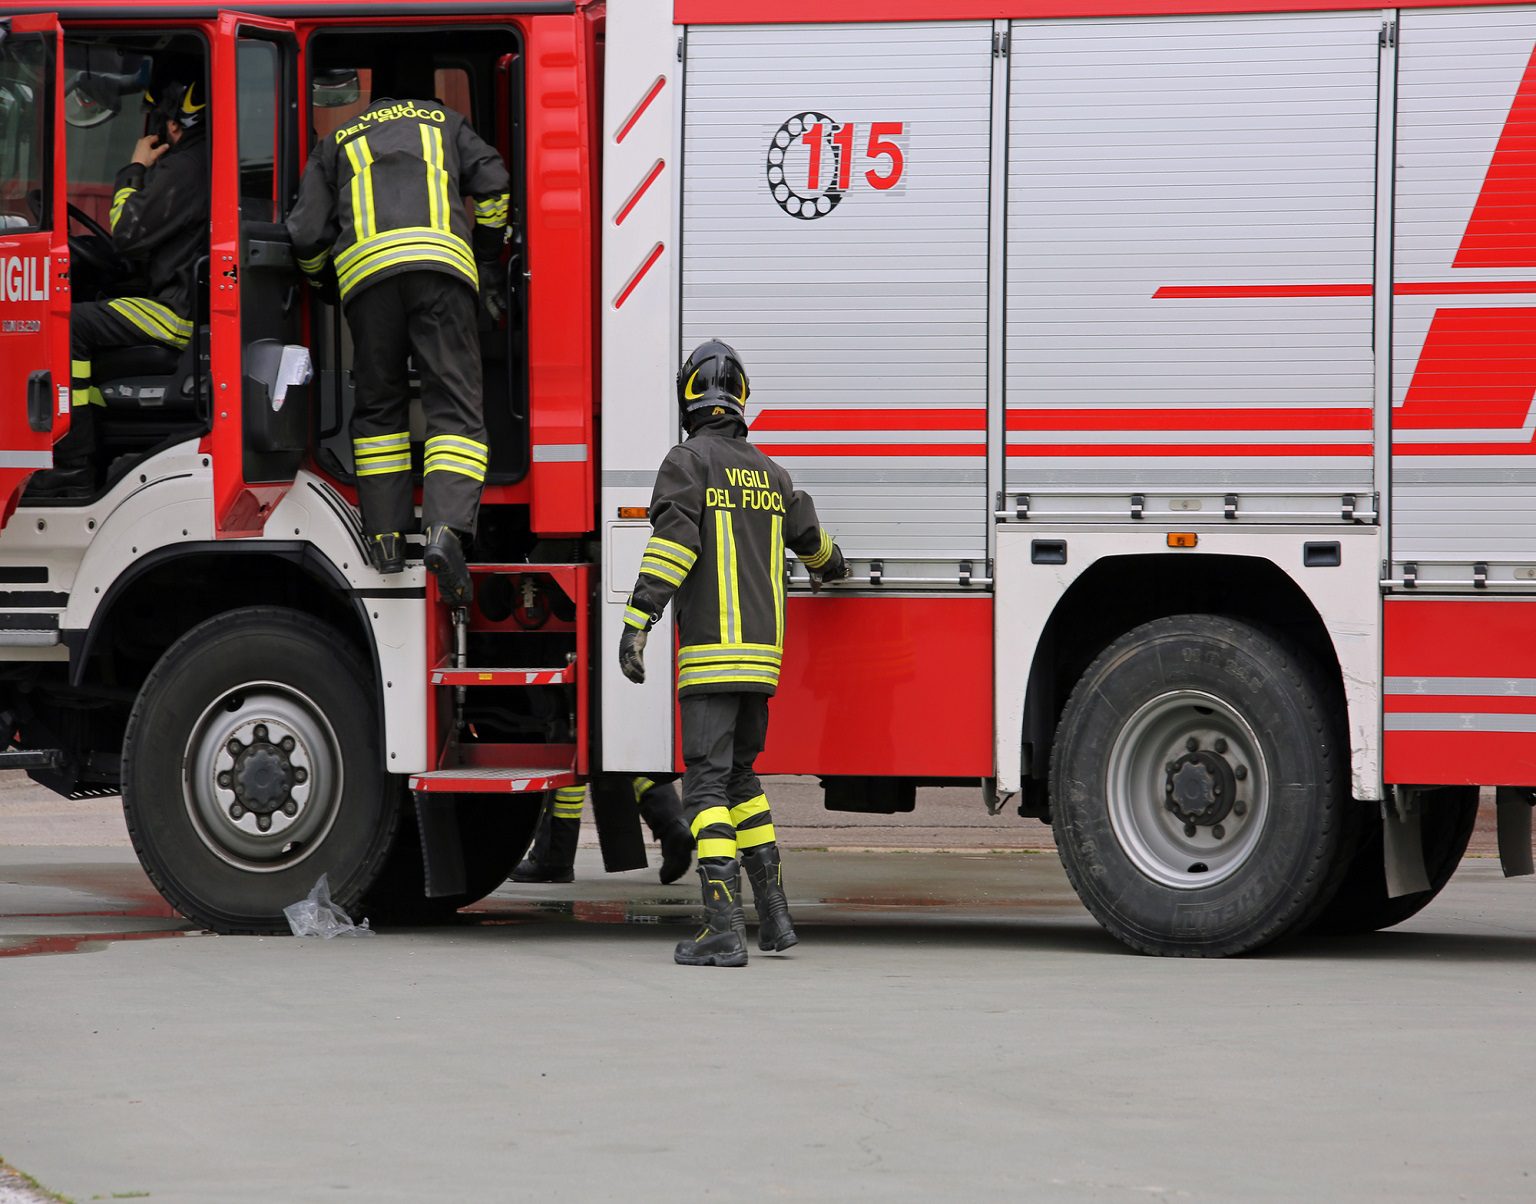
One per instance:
[(172, 100), (712, 378)]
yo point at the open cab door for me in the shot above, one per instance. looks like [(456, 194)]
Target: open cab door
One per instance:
[(34, 252), (260, 412)]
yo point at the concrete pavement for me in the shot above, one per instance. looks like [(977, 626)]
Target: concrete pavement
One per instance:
[(952, 1025)]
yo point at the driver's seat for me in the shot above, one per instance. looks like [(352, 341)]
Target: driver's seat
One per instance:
[(154, 378)]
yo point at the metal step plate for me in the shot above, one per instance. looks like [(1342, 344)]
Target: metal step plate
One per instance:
[(504, 677), (491, 781)]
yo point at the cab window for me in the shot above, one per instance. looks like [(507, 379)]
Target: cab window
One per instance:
[(24, 124)]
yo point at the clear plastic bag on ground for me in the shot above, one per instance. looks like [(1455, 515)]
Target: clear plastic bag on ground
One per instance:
[(318, 916)]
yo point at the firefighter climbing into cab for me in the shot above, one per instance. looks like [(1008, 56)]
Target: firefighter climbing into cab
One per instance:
[(722, 514), (382, 205), (159, 222)]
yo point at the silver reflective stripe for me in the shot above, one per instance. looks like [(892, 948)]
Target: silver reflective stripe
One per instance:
[(617, 479), (559, 453), (1507, 687), (1460, 723), (26, 459)]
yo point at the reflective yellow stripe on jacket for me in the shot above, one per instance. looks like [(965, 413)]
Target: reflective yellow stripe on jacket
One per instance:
[(409, 244), (728, 663)]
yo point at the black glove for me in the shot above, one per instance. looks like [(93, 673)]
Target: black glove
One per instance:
[(325, 285), (493, 288), (632, 653), (836, 569)]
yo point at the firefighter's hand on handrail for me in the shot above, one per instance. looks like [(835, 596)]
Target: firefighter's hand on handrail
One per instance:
[(632, 654), (836, 569), (493, 288)]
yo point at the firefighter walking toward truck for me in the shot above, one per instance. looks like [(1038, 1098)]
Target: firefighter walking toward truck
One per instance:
[(382, 203), (722, 514)]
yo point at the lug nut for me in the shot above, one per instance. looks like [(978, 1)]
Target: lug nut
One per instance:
[(1189, 829), (1216, 788), (1169, 767), (225, 780), (1191, 744), (260, 734), (300, 775), (290, 808), (287, 744), (1240, 772), (264, 822), (237, 811), (1218, 831), (234, 747), (1221, 745), (1239, 808)]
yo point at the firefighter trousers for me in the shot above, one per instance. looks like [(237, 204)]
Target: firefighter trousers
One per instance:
[(429, 319), (98, 326), (723, 801)]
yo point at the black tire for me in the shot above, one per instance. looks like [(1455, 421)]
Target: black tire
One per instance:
[(1361, 903), (253, 676), (1125, 782), (496, 832)]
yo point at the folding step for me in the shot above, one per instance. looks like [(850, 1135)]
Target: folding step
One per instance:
[(504, 677), (473, 780)]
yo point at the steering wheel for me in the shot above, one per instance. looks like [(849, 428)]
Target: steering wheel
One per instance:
[(96, 251)]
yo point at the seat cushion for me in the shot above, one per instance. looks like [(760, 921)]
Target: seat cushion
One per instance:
[(147, 359)]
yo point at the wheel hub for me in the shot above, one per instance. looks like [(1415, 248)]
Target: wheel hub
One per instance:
[(263, 776), (1200, 788)]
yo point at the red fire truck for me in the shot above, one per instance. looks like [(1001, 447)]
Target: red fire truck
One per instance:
[(1166, 370)]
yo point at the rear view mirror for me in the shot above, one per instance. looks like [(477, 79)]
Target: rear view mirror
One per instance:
[(336, 88), (94, 97)]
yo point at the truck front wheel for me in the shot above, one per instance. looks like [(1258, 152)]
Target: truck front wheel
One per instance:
[(251, 765), (1199, 788)]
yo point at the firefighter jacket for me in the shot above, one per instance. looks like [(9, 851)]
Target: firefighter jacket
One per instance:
[(159, 219), (722, 514), (385, 194)]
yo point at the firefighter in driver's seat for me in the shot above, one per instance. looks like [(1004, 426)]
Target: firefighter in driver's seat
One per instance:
[(159, 221), (385, 195)]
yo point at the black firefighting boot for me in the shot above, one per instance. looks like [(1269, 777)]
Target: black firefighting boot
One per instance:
[(553, 856), (775, 931), (444, 556), (662, 811), (74, 477), (387, 552), (719, 942)]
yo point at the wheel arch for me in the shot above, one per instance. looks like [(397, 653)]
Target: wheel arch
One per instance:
[(1117, 592)]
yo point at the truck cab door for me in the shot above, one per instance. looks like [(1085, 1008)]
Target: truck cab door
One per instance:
[(34, 252), (260, 413)]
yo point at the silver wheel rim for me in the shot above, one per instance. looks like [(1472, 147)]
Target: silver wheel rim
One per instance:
[(1189, 789), (262, 777)]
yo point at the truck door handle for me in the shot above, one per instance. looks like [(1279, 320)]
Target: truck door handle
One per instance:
[(40, 402)]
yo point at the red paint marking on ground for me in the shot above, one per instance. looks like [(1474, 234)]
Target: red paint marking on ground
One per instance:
[(81, 941)]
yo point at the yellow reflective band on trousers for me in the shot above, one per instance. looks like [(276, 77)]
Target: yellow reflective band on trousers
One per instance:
[(754, 822), (159, 322), (118, 199), (361, 159), (455, 453), (569, 801), (710, 815), (405, 245), (379, 455), (727, 580), (750, 838), (641, 786), (714, 847), (81, 391), (822, 554)]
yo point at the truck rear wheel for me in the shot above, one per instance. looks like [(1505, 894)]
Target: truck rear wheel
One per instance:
[(1362, 905), (1199, 788), (251, 765)]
